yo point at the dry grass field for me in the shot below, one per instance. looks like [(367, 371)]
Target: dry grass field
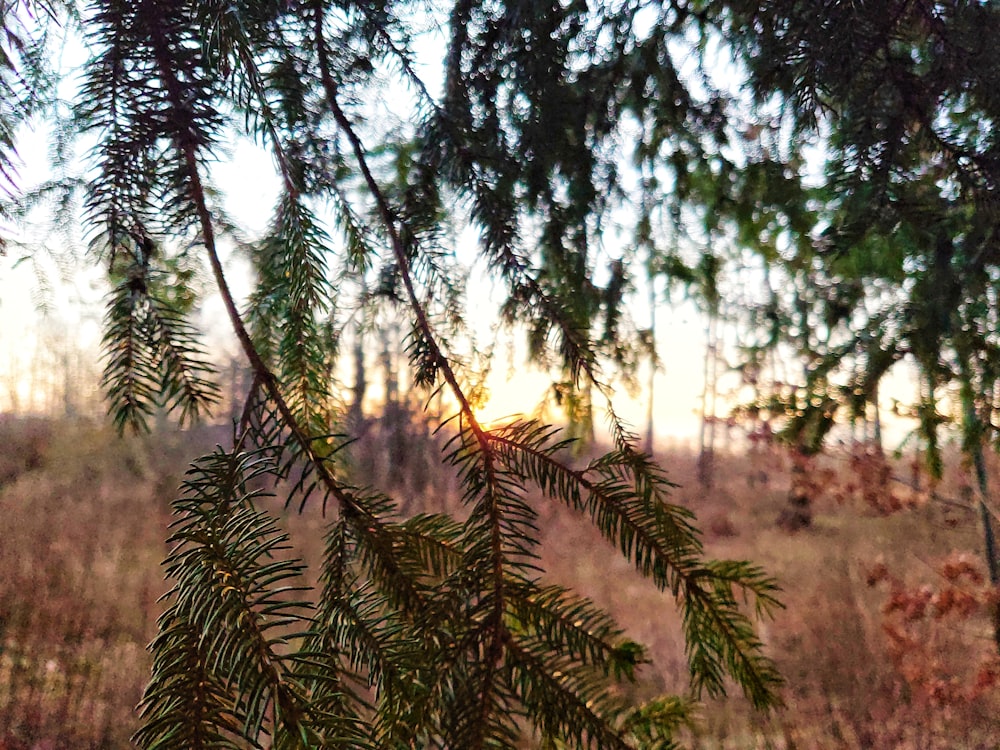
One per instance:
[(884, 642)]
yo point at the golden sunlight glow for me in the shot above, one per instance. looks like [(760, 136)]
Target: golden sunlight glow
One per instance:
[(676, 417), (502, 399)]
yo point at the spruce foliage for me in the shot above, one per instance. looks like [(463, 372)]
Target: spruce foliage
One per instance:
[(429, 631), (899, 257)]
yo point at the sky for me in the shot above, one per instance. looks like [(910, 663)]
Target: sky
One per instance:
[(70, 322), (514, 386), (35, 320)]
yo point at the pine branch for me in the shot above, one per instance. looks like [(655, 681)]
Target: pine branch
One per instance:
[(654, 725), (427, 632), (296, 292), (185, 704), (185, 384), (378, 643), (657, 536), (152, 354), (131, 377), (625, 500), (231, 614), (378, 546), (554, 615), (564, 699), (231, 45), (382, 547), (489, 502)]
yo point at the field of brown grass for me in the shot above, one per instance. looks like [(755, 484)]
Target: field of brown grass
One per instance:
[(884, 642)]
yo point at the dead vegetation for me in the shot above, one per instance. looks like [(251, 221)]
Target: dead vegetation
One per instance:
[(885, 641)]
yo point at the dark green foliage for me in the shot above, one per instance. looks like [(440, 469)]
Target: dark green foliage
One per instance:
[(422, 631), (153, 356), (293, 294), (624, 494), (431, 631), (222, 672), (26, 77), (894, 256), (904, 248)]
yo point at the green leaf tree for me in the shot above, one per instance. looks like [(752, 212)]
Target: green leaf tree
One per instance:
[(903, 255)]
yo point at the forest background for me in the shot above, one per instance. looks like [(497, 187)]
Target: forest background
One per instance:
[(818, 182)]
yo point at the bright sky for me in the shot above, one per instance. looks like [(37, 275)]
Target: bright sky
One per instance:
[(74, 305), (247, 178), (514, 386)]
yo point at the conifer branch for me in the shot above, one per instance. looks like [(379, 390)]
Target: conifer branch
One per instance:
[(264, 375), (563, 699), (426, 632), (497, 636), (626, 505), (229, 620), (667, 552), (380, 539)]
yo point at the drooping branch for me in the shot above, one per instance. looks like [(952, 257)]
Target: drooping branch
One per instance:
[(498, 636), (187, 149)]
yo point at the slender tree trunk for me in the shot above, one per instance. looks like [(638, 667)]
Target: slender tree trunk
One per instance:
[(706, 447), (395, 422), (877, 431), (989, 535), (355, 414), (588, 424), (70, 380), (652, 361), (235, 391), (973, 429), (797, 513), (649, 407), (388, 357)]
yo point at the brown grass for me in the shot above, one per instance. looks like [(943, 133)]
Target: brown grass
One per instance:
[(867, 665), (84, 532)]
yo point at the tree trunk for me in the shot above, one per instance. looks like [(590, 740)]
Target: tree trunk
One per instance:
[(797, 514), (877, 436), (985, 514), (652, 362), (706, 448), (235, 392), (580, 409), (355, 414)]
